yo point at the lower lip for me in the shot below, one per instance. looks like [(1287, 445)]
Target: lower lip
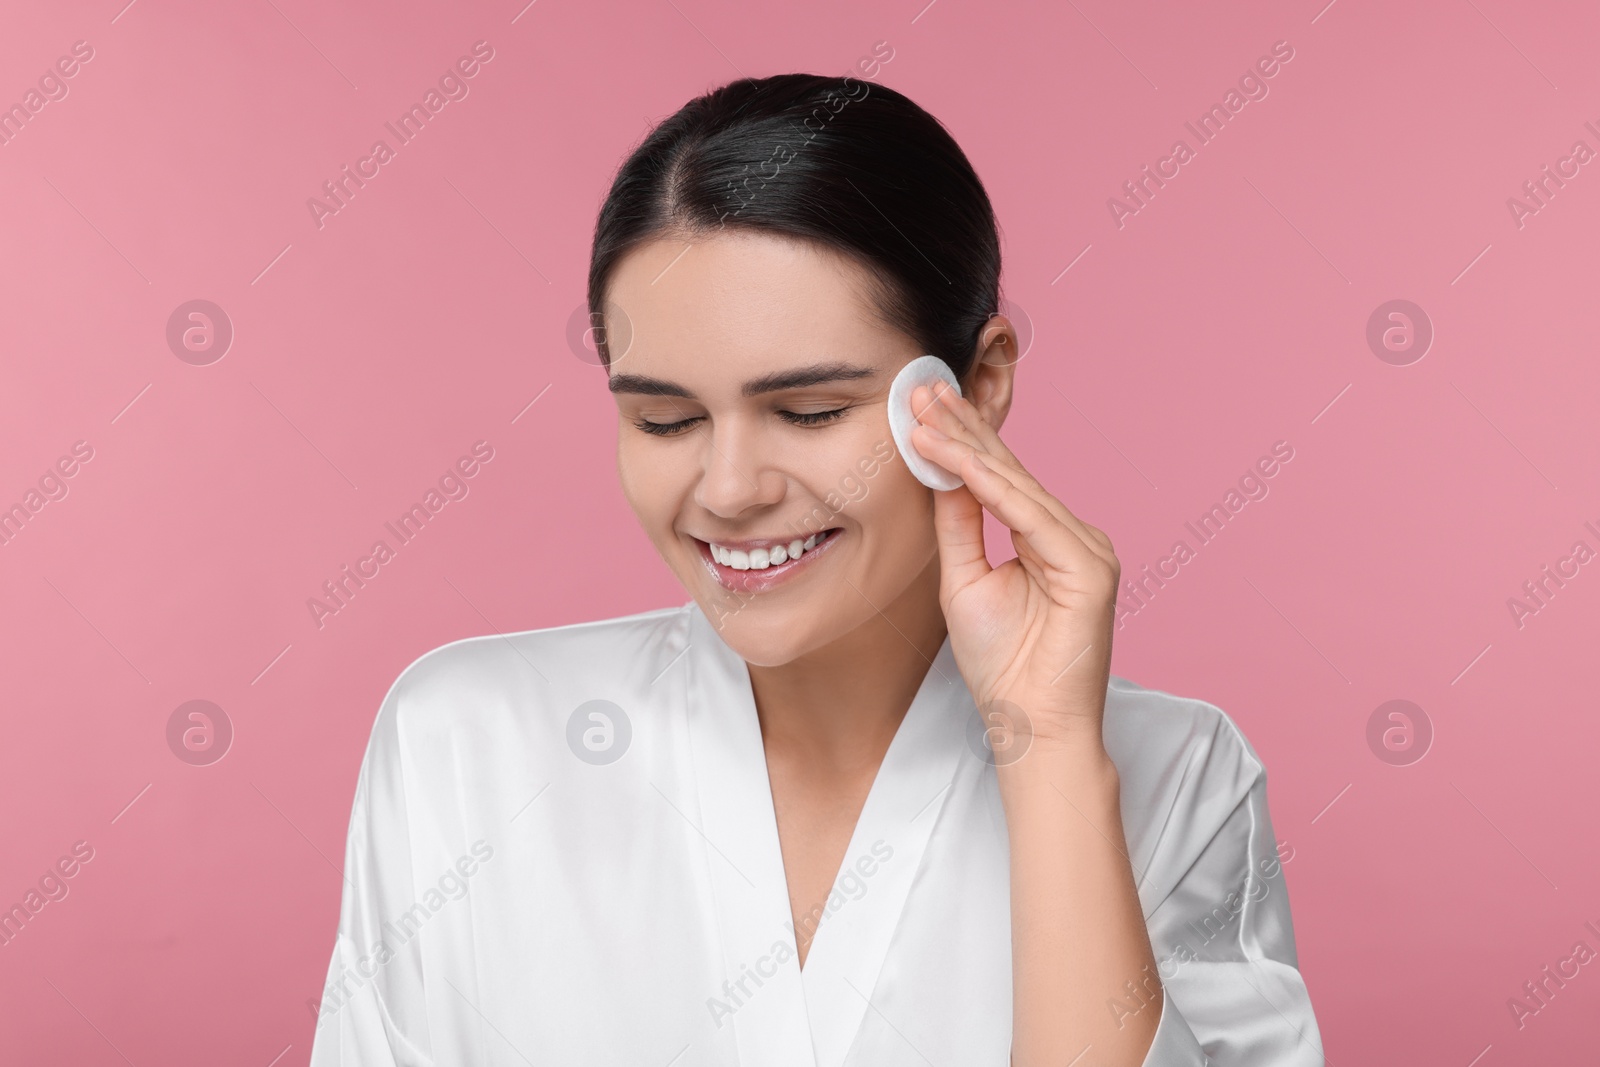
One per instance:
[(759, 581)]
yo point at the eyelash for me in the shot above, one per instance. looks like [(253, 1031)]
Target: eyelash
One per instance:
[(812, 418)]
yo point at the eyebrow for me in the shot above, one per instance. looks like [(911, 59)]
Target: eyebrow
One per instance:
[(798, 378)]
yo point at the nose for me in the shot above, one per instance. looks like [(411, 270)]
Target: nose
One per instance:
[(736, 471)]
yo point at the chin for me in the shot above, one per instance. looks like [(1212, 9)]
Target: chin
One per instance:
[(765, 637)]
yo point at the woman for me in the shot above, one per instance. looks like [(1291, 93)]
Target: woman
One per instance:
[(863, 799)]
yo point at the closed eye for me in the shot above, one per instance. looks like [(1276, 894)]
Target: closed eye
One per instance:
[(813, 418), (796, 418)]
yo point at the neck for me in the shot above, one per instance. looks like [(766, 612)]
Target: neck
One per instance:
[(837, 707)]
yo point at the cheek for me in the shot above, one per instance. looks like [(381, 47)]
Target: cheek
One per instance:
[(849, 466), (908, 504), (896, 512), (647, 481)]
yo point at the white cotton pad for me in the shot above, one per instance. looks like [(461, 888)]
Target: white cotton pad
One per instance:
[(924, 370)]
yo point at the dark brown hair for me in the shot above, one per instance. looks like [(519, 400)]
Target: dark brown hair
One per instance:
[(852, 165)]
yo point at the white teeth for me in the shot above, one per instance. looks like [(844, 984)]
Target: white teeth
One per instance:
[(761, 558)]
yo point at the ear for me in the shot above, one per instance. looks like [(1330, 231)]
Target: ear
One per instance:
[(988, 383)]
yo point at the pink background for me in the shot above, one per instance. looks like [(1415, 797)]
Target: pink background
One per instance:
[(369, 354)]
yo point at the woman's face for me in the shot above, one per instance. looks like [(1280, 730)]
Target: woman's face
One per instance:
[(761, 375)]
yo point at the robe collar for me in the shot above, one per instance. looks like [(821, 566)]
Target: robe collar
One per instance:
[(783, 1015)]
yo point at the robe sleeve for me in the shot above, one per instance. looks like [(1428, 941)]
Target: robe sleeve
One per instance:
[(1224, 945), (373, 1011)]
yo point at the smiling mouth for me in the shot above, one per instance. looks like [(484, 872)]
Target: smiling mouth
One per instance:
[(737, 571)]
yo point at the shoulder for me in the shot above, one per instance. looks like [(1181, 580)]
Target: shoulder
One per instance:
[(1151, 734), (1185, 769), (466, 683)]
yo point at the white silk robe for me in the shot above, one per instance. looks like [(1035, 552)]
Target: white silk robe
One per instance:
[(531, 878)]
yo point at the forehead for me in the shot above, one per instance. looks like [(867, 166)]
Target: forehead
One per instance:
[(736, 304)]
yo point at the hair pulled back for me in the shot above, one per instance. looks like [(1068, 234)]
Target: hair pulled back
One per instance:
[(852, 165)]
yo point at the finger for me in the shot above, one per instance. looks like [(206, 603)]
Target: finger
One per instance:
[(958, 525), (954, 456), (1060, 547), (958, 417), (961, 421), (1101, 537), (939, 410), (972, 420)]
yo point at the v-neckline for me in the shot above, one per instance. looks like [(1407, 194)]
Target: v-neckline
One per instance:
[(809, 1016)]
